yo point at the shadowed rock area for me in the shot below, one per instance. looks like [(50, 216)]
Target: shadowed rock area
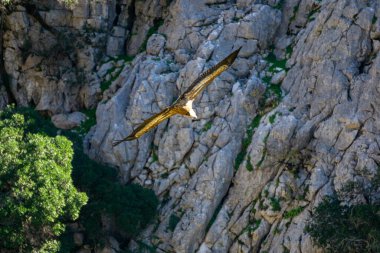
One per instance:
[(296, 117)]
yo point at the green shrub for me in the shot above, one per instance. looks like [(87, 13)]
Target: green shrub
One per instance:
[(156, 24), (315, 8), (252, 226), (275, 63), (293, 212), (85, 127), (131, 206), (173, 221), (214, 216), (275, 203), (37, 192), (340, 228), (249, 165), (207, 126), (247, 141), (272, 118)]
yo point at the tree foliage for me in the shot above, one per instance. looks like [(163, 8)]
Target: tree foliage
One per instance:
[(131, 207), (339, 228), (37, 194), (5, 2)]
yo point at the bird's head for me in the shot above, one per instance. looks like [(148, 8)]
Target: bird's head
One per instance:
[(192, 114), (189, 110)]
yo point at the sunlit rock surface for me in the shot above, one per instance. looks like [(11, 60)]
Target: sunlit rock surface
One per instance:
[(294, 119)]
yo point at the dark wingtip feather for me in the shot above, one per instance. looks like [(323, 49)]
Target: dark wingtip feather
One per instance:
[(117, 142), (236, 52), (231, 58)]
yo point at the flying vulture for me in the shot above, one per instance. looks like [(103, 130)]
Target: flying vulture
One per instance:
[(184, 104)]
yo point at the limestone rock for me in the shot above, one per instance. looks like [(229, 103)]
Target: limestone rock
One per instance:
[(105, 68), (155, 44), (147, 15), (271, 135), (278, 77), (57, 17), (4, 97), (68, 121), (84, 250), (112, 246), (78, 239), (115, 45), (50, 55), (260, 25)]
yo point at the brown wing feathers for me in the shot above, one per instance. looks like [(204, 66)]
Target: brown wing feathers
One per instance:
[(190, 94), (209, 75), (148, 124)]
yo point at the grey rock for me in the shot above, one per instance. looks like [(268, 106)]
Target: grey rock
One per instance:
[(146, 13), (244, 3), (278, 77), (155, 44), (249, 47), (215, 1), (57, 17), (260, 25), (205, 50), (18, 20), (181, 56), (81, 10), (105, 68), (4, 97), (68, 121), (32, 62), (181, 138), (242, 67), (114, 243), (318, 136), (36, 76), (78, 239), (84, 250), (115, 46), (118, 31)]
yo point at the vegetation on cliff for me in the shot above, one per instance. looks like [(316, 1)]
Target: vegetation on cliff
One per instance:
[(342, 228), (38, 195)]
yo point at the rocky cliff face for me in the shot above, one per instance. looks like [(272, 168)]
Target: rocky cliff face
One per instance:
[(51, 52), (294, 119)]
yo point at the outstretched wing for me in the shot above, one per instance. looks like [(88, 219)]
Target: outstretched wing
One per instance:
[(207, 77), (149, 124)]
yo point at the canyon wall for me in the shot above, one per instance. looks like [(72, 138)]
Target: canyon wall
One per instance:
[(296, 117)]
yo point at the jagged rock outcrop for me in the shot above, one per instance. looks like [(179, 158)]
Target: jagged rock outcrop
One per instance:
[(4, 96), (320, 137), (68, 121), (51, 51), (294, 119), (42, 58)]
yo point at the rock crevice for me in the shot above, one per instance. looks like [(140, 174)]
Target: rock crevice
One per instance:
[(293, 120)]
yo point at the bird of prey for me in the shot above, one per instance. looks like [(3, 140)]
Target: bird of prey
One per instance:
[(184, 104)]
